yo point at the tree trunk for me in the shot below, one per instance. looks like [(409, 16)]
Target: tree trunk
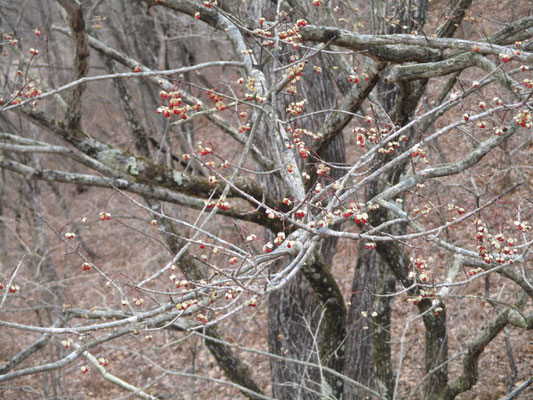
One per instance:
[(304, 324)]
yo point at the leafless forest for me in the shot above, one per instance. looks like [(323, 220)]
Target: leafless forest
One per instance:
[(266, 199)]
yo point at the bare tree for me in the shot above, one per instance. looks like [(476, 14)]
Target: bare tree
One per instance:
[(312, 198)]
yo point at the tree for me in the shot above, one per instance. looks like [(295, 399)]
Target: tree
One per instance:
[(175, 170)]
